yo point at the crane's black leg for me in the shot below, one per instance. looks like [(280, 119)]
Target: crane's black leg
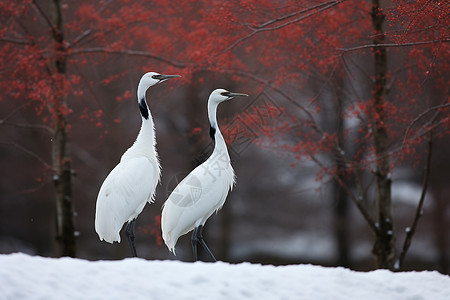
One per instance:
[(129, 233), (197, 237), (194, 242)]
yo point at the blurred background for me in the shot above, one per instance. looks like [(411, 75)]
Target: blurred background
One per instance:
[(284, 208)]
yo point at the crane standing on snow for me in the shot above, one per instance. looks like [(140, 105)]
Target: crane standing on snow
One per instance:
[(132, 183), (202, 191)]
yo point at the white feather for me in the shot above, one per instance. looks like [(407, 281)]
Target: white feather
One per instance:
[(196, 198), (132, 183), (205, 189), (123, 195)]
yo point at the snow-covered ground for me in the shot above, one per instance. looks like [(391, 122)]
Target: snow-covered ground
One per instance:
[(32, 277)]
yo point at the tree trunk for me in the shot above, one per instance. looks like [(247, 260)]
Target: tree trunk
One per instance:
[(62, 179), (341, 232), (441, 229), (384, 248), (340, 208)]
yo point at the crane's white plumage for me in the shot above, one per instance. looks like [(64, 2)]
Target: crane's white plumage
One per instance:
[(123, 195), (205, 189), (132, 183)]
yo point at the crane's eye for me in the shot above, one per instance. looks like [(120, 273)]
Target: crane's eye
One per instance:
[(155, 77), (226, 94)]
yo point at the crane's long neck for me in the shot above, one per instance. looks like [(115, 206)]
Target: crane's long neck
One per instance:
[(145, 144), (214, 131), (147, 133)]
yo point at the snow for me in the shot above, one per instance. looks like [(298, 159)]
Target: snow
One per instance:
[(33, 277)]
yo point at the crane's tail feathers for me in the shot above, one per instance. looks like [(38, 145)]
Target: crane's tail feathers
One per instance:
[(170, 243), (110, 240), (108, 234)]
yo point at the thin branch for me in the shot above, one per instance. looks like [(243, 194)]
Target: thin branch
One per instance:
[(44, 15), (282, 18), (15, 41), (358, 201), (38, 53), (80, 38), (15, 111), (29, 152), (101, 9), (279, 91), (87, 35), (329, 5), (127, 52), (393, 45), (432, 63), (415, 17), (420, 116), (28, 126), (42, 184), (262, 27), (401, 147), (326, 82), (410, 233)]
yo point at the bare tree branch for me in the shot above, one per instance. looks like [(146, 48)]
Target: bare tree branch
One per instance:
[(42, 184), (411, 231), (15, 41), (357, 200), (278, 90), (45, 17), (80, 38), (15, 111), (28, 126), (261, 28), (421, 115), (128, 52), (415, 17), (445, 40), (282, 18), (29, 152)]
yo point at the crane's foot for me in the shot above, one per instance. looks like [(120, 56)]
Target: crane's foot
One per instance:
[(197, 238), (129, 233)]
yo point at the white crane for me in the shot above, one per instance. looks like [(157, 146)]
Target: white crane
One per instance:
[(132, 183), (203, 191)]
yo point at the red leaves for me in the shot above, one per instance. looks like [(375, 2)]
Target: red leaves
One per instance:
[(113, 77), (196, 130), (291, 47), (154, 229), (126, 95), (94, 117)]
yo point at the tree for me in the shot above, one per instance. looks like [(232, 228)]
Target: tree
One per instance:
[(375, 66), (293, 46), (43, 50)]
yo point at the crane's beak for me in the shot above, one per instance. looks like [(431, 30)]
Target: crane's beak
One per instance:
[(162, 77), (232, 95)]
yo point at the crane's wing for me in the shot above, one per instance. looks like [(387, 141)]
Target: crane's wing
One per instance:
[(123, 195), (193, 201)]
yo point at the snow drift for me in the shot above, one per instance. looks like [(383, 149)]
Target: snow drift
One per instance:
[(31, 277)]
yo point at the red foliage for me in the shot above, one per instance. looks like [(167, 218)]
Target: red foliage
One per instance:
[(314, 54)]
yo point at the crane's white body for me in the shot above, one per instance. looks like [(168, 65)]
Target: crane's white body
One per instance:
[(132, 183), (129, 186), (204, 190), (197, 197)]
